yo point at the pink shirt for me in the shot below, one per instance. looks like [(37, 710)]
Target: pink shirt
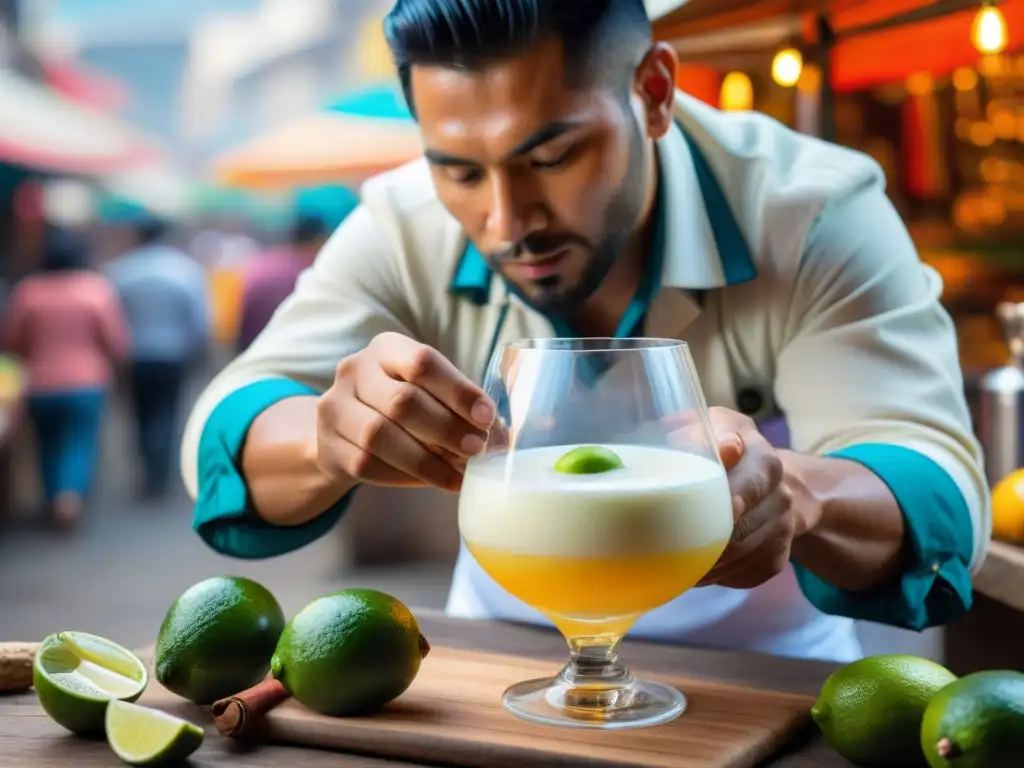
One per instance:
[(68, 329)]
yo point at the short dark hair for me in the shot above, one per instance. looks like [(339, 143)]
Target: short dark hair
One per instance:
[(64, 250), (151, 230), (601, 37)]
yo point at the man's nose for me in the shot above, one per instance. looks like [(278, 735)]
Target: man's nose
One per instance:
[(514, 214)]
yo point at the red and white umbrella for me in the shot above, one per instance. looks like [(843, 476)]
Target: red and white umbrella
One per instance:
[(43, 130)]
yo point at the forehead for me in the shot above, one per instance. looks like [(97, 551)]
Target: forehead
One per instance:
[(501, 102)]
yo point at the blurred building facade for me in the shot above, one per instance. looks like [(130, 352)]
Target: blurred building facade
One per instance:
[(145, 45), (309, 53)]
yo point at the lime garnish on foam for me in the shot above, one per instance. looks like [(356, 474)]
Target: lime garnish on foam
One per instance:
[(588, 460)]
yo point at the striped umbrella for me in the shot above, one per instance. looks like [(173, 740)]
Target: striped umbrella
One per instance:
[(364, 133)]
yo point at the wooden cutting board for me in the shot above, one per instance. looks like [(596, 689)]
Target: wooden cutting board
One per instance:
[(452, 715)]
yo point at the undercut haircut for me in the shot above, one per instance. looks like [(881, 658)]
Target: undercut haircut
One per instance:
[(604, 40)]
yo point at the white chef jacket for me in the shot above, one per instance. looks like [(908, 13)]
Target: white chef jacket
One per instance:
[(783, 265)]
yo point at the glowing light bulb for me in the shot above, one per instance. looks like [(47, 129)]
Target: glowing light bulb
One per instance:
[(989, 32), (737, 92), (787, 66)]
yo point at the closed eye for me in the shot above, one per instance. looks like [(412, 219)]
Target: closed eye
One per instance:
[(564, 158), (465, 175)]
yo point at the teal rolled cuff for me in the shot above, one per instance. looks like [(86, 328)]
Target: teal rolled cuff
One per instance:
[(223, 517), (935, 586)]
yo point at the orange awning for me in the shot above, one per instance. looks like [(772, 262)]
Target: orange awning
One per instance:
[(367, 131), (327, 147), (42, 130), (937, 46), (863, 60), (700, 17)]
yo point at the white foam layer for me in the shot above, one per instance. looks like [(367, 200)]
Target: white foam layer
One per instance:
[(660, 500)]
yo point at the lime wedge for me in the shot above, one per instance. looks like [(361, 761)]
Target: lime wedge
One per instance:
[(76, 675), (142, 736), (588, 460)]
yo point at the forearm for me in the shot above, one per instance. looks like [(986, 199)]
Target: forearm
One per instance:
[(279, 463), (853, 532)]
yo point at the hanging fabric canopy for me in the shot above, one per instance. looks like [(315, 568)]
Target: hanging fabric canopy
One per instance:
[(364, 133), (872, 48), (699, 17), (937, 46), (42, 130), (82, 83)]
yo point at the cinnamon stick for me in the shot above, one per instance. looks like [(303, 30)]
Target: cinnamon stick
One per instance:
[(16, 666), (240, 715)]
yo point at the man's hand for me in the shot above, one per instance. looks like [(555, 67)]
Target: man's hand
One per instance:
[(400, 413), (769, 509)]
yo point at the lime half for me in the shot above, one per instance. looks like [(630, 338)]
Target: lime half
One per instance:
[(76, 675), (143, 736), (588, 460)]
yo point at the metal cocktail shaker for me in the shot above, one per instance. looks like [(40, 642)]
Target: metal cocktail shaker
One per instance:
[(1001, 401)]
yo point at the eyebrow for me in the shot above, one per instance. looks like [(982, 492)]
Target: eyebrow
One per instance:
[(539, 138)]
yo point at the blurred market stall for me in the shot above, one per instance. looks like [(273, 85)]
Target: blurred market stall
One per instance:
[(40, 129), (357, 136), (851, 44), (930, 88), (63, 126)]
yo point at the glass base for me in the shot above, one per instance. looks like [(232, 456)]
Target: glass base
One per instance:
[(628, 703)]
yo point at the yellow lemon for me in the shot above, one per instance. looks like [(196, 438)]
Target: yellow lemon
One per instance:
[(1008, 508)]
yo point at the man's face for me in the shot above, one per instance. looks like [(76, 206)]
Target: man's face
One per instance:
[(547, 179)]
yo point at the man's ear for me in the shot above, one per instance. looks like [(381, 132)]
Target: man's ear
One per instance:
[(655, 85)]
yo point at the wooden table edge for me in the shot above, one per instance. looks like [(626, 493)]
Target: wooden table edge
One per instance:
[(1001, 575)]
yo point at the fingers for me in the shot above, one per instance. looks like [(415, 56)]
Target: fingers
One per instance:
[(420, 414), (762, 505), (732, 432), (415, 363), (753, 571), (689, 431), (731, 449), (397, 415), (768, 528), (369, 447), (682, 419), (499, 437), (755, 475), (361, 465)]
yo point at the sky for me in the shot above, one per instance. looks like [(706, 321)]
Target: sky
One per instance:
[(88, 15)]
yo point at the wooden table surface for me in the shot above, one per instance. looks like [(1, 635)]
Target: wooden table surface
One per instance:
[(29, 739)]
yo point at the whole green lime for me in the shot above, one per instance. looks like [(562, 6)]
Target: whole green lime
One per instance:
[(588, 460), (217, 639), (870, 711), (976, 722), (350, 652), (76, 675)]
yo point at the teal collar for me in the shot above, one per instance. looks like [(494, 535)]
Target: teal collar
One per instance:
[(698, 243)]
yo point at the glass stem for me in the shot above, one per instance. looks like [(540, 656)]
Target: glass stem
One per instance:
[(594, 678)]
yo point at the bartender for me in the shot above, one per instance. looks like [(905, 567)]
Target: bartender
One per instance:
[(568, 189)]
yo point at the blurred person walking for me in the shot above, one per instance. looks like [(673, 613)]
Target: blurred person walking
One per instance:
[(67, 326), (270, 278), (165, 295)]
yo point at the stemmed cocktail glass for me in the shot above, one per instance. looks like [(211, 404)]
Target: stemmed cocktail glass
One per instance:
[(600, 497)]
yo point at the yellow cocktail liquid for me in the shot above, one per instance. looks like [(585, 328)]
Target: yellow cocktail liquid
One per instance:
[(597, 596)]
